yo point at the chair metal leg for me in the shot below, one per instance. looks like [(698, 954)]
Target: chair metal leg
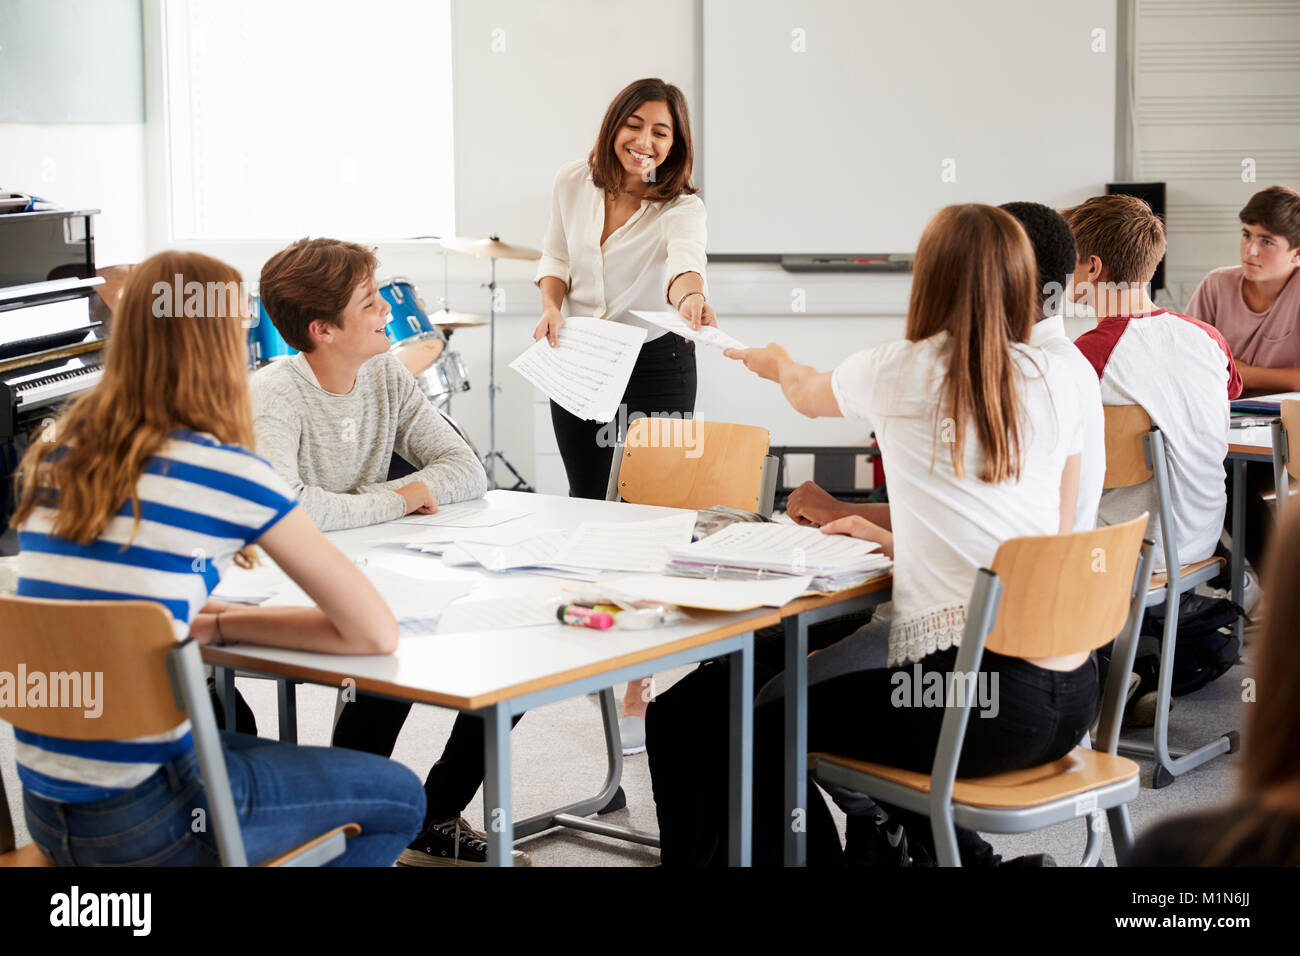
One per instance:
[(945, 838), (1096, 824), (574, 814), (1121, 832), (1237, 557), (1168, 765)]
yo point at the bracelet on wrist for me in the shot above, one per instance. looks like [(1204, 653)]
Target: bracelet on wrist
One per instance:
[(678, 306)]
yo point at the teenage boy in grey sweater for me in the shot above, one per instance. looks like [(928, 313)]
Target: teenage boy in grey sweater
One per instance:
[(328, 420)]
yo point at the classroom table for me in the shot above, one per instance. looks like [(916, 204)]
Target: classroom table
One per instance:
[(500, 673)]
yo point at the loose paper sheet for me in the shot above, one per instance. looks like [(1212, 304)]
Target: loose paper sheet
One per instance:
[(410, 599), (497, 615), (588, 371), (468, 514), (708, 334)]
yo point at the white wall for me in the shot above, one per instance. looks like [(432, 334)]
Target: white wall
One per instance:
[(521, 112), (84, 166)]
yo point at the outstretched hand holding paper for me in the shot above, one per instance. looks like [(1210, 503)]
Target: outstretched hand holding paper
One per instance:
[(708, 334), (588, 371)]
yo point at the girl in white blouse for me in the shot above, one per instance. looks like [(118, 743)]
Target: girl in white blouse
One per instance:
[(628, 232), (981, 434)]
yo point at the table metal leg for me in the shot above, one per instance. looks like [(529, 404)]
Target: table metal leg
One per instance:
[(287, 697), (796, 740), (741, 757), (226, 694), (496, 785), (1237, 564)]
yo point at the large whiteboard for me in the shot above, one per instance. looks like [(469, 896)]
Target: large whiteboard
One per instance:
[(842, 125)]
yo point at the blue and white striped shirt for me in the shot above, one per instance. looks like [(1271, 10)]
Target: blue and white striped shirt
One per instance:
[(200, 502)]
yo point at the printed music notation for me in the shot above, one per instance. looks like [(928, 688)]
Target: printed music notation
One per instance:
[(588, 371)]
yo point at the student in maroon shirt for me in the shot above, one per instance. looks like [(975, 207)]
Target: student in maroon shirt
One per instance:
[(1256, 306)]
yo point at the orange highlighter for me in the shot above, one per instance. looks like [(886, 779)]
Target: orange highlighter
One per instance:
[(578, 615)]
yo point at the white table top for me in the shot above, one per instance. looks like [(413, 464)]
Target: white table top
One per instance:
[(471, 670)]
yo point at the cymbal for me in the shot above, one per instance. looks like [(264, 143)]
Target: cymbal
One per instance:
[(447, 319), (491, 247)]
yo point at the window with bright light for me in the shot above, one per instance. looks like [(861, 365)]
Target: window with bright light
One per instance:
[(328, 117)]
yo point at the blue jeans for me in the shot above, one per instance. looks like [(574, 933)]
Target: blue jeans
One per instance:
[(284, 795)]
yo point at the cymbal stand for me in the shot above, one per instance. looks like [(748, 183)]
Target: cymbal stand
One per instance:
[(494, 454)]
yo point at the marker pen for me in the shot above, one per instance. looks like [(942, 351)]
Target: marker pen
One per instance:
[(579, 616)]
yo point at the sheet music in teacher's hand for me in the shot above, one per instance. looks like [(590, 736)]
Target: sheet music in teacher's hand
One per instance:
[(588, 371), (708, 334)]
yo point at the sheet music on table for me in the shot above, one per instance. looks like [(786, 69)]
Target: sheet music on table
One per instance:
[(497, 614), (588, 371), (466, 514), (592, 546), (627, 545), (781, 547)]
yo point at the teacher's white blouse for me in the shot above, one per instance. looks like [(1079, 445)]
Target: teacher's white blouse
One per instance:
[(638, 261)]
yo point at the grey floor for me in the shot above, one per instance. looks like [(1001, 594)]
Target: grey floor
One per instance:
[(559, 757)]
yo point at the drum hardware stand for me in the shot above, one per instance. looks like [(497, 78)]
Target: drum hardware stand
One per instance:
[(494, 453)]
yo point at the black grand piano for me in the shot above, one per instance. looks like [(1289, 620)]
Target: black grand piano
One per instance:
[(51, 334)]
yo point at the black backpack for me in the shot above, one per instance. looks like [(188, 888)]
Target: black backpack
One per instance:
[(1206, 646)]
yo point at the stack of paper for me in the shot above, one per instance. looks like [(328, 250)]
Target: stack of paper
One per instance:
[(755, 550), (588, 370), (594, 546)]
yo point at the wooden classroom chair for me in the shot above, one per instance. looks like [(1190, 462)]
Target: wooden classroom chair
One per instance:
[(1056, 602), (1135, 453), (154, 682), (691, 463)]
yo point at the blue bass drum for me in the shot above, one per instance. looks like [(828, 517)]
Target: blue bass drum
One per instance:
[(408, 323), (265, 343)]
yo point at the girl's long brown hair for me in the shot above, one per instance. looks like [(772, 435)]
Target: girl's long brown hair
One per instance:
[(974, 277), (1270, 764), (172, 362), (1271, 755), (673, 176)]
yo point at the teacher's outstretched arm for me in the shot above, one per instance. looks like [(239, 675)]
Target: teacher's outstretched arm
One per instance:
[(807, 390)]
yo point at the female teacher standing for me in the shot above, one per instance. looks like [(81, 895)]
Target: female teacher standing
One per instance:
[(628, 232)]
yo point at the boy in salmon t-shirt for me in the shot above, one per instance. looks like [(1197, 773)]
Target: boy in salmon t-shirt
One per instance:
[(1256, 306)]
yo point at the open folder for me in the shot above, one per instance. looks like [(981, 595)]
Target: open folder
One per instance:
[(834, 561)]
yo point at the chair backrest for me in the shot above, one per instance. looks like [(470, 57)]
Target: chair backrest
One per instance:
[(116, 648), (1126, 459), (1065, 593), (1052, 599), (690, 463), (147, 681)]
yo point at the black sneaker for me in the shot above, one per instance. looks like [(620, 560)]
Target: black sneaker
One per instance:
[(452, 843)]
